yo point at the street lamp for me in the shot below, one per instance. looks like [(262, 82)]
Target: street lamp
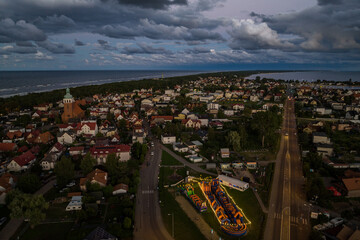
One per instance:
[(172, 218)]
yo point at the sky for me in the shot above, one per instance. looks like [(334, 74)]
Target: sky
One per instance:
[(179, 34)]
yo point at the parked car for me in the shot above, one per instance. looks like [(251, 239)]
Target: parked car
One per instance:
[(3, 220)]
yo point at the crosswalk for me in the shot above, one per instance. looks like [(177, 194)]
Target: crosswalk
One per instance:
[(293, 219), (147, 192)]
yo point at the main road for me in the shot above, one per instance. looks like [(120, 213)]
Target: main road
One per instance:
[(288, 217)]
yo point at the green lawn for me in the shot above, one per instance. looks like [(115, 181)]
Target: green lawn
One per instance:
[(53, 231), (167, 159), (185, 229), (57, 212)]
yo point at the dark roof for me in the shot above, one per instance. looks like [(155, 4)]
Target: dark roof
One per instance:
[(320, 134), (100, 234)]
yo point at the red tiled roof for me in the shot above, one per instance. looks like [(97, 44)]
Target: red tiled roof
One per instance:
[(76, 149), (25, 158), (7, 147), (96, 150), (162, 117)]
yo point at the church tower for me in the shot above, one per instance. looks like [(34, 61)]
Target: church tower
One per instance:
[(68, 106)]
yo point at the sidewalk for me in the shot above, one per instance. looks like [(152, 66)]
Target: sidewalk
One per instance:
[(196, 218)]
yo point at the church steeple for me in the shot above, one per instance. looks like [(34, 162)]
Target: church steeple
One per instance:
[(68, 98)]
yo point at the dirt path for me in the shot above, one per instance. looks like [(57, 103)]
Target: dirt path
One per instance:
[(196, 218)]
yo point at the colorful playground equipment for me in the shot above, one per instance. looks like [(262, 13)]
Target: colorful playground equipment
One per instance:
[(229, 216), (188, 191)]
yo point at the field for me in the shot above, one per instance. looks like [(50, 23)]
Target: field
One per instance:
[(167, 159)]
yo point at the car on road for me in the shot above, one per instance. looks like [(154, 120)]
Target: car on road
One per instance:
[(152, 154), (286, 134), (152, 144)]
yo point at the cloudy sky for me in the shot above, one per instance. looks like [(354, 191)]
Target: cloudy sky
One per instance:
[(179, 34)]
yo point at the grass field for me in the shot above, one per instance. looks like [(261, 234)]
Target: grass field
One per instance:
[(185, 229), (53, 231), (167, 159)]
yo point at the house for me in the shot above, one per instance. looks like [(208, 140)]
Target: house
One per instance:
[(238, 107), (224, 153), (139, 137), (66, 138), (96, 176), (22, 162), (8, 147), (189, 123), (325, 149), (160, 120), (100, 234), (168, 139), (49, 161), (120, 189), (353, 186), (87, 128), (180, 147), (321, 137), (76, 151), (212, 106), (101, 152), (7, 183), (251, 165), (44, 138), (225, 166), (229, 112), (75, 204), (195, 159)]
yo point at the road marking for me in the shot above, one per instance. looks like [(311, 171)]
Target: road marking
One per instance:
[(147, 192)]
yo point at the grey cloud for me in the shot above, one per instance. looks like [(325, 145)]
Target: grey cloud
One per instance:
[(56, 48), (325, 28), (327, 2), (24, 44), (55, 23), (155, 4), (79, 43), (23, 49), (11, 31), (105, 45), (197, 50), (145, 49)]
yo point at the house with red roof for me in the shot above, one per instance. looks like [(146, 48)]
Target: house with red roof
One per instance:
[(120, 189), (95, 177), (100, 152), (7, 182), (89, 128), (8, 147), (22, 162)]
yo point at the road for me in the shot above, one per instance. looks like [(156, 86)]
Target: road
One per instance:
[(148, 221), (9, 230), (288, 217)]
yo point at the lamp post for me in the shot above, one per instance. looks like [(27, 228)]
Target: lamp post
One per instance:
[(172, 219)]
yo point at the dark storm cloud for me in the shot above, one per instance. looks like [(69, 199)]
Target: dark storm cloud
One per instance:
[(55, 23), (145, 49), (23, 49), (56, 48), (21, 30), (327, 2), (152, 30), (79, 43), (197, 50), (325, 28), (155, 4), (105, 45), (25, 44)]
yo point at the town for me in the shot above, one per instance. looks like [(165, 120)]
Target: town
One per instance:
[(214, 157)]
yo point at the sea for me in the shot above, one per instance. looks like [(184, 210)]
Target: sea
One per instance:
[(312, 76), (24, 82)]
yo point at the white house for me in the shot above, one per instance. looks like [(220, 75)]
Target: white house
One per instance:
[(168, 139), (75, 204), (66, 138), (180, 147), (120, 189)]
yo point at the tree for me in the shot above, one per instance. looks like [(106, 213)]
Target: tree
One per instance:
[(64, 170), (28, 206), (113, 167), (234, 140), (127, 223), (29, 183), (87, 163)]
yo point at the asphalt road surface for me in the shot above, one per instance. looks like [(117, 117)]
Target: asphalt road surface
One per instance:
[(148, 221), (288, 217)]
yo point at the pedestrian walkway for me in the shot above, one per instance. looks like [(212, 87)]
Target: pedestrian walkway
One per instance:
[(264, 209), (204, 228)]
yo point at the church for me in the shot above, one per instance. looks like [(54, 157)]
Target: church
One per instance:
[(72, 109)]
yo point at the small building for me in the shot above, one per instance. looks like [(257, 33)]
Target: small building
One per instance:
[(251, 165), (196, 159), (325, 149), (120, 189), (233, 183), (168, 139), (97, 176), (224, 153), (353, 186), (22, 162), (320, 137), (67, 138), (225, 166), (75, 204), (180, 147)]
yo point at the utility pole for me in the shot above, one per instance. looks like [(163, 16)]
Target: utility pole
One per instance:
[(172, 218)]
